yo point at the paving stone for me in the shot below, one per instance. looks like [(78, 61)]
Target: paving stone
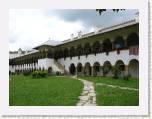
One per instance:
[(92, 94), (88, 96), (84, 97)]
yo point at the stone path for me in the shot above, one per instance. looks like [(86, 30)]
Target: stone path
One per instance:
[(88, 96), (113, 86)]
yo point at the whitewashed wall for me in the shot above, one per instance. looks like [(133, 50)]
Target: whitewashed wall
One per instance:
[(46, 63), (113, 57)]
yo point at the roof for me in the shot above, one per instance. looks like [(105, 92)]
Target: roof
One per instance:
[(49, 42), (100, 31), (30, 52)]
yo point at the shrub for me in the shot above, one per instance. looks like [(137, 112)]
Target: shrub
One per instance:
[(12, 73), (126, 77), (39, 74), (26, 73), (116, 72), (57, 73)]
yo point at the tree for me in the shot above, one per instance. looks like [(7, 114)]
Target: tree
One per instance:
[(103, 10)]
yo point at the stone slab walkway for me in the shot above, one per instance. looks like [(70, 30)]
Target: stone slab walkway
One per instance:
[(114, 86), (88, 96)]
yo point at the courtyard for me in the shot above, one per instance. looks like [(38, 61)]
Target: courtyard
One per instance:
[(70, 91)]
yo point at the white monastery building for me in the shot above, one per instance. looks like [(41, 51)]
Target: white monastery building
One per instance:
[(94, 53)]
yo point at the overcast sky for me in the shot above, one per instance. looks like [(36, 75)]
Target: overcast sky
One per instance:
[(31, 27)]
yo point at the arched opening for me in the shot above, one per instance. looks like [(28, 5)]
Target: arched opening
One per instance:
[(60, 53), (121, 67), (133, 68), (79, 68), (107, 68), (132, 40), (119, 43), (49, 70), (72, 52), (79, 51), (87, 49), (66, 53), (96, 68), (107, 46), (72, 69), (87, 69), (96, 47)]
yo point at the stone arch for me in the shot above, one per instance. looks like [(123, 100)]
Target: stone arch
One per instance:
[(72, 69), (72, 51), (96, 68), (79, 49), (132, 39), (87, 69), (79, 68), (119, 42), (87, 49), (66, 52), (96, 47), (50, 70), (121, 67), (107, 68), (133, 68), (107, 45)]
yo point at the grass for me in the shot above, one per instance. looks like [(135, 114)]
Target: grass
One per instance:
[(49, 91), (108, 96), (132, 82)]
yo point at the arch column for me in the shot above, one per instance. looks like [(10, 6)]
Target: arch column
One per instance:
[(92, 71), (76, 71), (126, 70)]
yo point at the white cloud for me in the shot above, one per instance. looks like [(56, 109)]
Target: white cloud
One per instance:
[(29, 28)]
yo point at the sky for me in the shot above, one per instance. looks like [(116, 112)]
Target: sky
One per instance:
[(29, 28)]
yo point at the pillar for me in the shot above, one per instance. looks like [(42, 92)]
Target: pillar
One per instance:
[(126, 70), (76, 71), (92, 71)]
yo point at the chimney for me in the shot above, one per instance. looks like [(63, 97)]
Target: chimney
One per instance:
[(79, 34), (137, 16), (72, 36), (96, 29), (19, 51)]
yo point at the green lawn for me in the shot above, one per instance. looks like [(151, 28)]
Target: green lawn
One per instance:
[(108, 96), (132, 83), (50, 91)]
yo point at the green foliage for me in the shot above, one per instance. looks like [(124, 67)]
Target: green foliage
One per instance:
[(127, 77), (105, 70), (103, 10), (132, 83), (49, 91), (39, 74), (27, 73), (109, 96), (116, 72), (58, 73)]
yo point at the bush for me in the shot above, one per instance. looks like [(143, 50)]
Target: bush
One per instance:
[(12, 73), (26, 73), (126, 77), (39, 74), (58, 73), (116, 72)]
